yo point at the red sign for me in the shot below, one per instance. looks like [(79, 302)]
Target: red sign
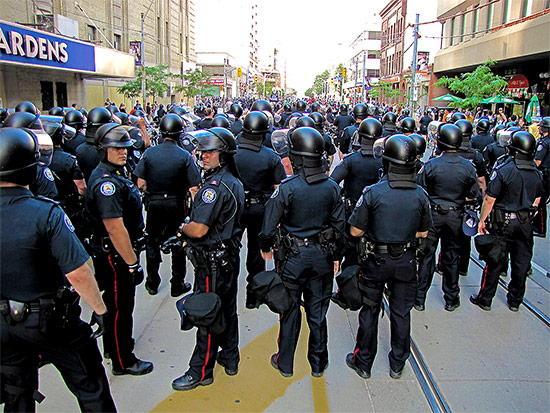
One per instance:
[(518, 82)]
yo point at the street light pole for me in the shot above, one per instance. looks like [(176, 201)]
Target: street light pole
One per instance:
[(143, 16), (413, 71)]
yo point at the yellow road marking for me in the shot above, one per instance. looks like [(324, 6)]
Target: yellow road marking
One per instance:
[(256, 387)]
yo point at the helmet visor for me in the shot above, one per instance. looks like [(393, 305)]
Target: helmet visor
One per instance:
[(118, 137)]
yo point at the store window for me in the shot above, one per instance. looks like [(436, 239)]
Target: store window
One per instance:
[(46, 90), (61, 94)]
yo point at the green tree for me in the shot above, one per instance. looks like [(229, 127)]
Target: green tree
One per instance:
[(309, 92), (340, 71), (383, 90), (264, 89), (156, 79), (319, 82), (196, 83), (475, 86)]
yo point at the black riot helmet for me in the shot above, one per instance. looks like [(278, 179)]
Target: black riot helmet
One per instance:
[(389, 118), (400, 150), (343, 108), (220, 121), (3, 115), (408, 125), (420, 143), (287, 108), (511, 124), (113, 109), (256, 123), (483, 126), (236, 110), (74, 118), (318, 119), (123, 117), (23, 120), (315, 107), (261, 104), (178, 110), (305, 121), (18, 156), (219, 139), (370, 128), (301, 106), (84, 112), (139, 113), (306, 141), (56, 111), (466, 128), (449, 137), (112, 135), (171, 126), (406, 112), (544, 124), (457, 116), (523, 143), (360, 111), (26, 106), (371, 109), (58, 131), (97, 117), (497, 129)]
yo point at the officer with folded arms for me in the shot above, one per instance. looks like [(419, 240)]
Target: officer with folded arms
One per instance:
[(40, 258), (388, 258), (113, 204)]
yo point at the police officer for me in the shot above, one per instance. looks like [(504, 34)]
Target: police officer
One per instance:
[(342, 121), (483, 137), (319, 124), (261, 171), (166, 173), (390, 257), (237, 125), (424, 122), (44, 182), (287, 112), (389, 121), (408, 126), (420, 143), (74, 119), (206, 121), (113, 204), (359, 112), (86, 154), (513, 193), (213, 234), (309, 266), (40, 257), (26, 106), (450, 181), (56, 111), (495, 150), (542, 159), (358, 170), (220, 121)]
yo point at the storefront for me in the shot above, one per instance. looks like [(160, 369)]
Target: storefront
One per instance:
[(51, 70)]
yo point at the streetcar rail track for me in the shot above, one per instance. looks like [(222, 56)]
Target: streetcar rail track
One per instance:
[(530, 306), (429, 387)]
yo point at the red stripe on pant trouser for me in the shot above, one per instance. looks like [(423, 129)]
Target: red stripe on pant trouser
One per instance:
[(209, 339), (116, 312), (483, 279)]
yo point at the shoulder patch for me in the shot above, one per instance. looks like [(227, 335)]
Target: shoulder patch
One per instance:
[(214, 182), (107, 188), (540, 148), (48, 174), (421, 169), (137, 154), (68, 223), (493, 175), (209, 196), (185, 142), (359, 202), (289, 178), (275, 193)]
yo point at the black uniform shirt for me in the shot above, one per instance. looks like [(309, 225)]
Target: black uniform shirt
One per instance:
[(88, 158), (259, 171), (491, 153), (237, 127), (449, 179), (66, 169), (543, 152), (390, 215), (70, 146), (357, 171), (343, 121), (218, 205), (111, 195), (37, 246), (481, 141), (204, 123), (303, 209), (476, 158), (514, 189), (44, 184), (330, 149), (168, 169)]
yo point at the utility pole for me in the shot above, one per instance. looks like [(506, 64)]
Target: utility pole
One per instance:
[(143, 16), (363, 97), (413, 71), (355, 87)]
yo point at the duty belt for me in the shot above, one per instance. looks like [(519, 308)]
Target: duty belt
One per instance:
[(385, 248), (510, 215), (160, 197), (444, 209), (305, 242), (254, 199), (18, 311)]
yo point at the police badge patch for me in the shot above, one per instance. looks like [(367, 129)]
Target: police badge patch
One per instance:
[(208, 196), (48, 174), (493, 175), (539, 148), (107, 188), (360, 202), (275, 193), (137, 154), (68, 223)]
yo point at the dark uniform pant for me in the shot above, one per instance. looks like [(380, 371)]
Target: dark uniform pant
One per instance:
[(163, 220), (252, 219), (400, 277), (519, 244), (311, 272), (72, 353), (448, 228), (205, 353), (119, 294)]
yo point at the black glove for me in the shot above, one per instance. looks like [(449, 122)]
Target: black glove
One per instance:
[(136, 273), (171, 243), (103, 322)]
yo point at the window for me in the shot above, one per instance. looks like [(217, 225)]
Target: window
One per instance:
[(167, 34), (46, 20), (373, 73), (46, 89), (490, 16), (159, 29), (462, 28), (526, 8), (90, 33), (474, 20), (506, 11), (373, 54), (61, 93), (452, 30), (374, 35), (118, 42)]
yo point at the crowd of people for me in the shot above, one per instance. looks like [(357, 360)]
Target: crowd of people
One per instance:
[(75, 184)]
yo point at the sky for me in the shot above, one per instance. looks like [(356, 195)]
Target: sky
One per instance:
[(311, 36)]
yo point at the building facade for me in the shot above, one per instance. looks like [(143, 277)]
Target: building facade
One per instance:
[(514, 33), (110, 28)]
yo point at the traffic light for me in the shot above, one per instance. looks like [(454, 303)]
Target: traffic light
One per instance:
[(344, 72), (221, 88), (239, 72), (331, 80), (255, 78)]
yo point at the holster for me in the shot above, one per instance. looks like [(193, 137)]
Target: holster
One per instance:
[(146, 200), (496, 221), (197, 256)]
